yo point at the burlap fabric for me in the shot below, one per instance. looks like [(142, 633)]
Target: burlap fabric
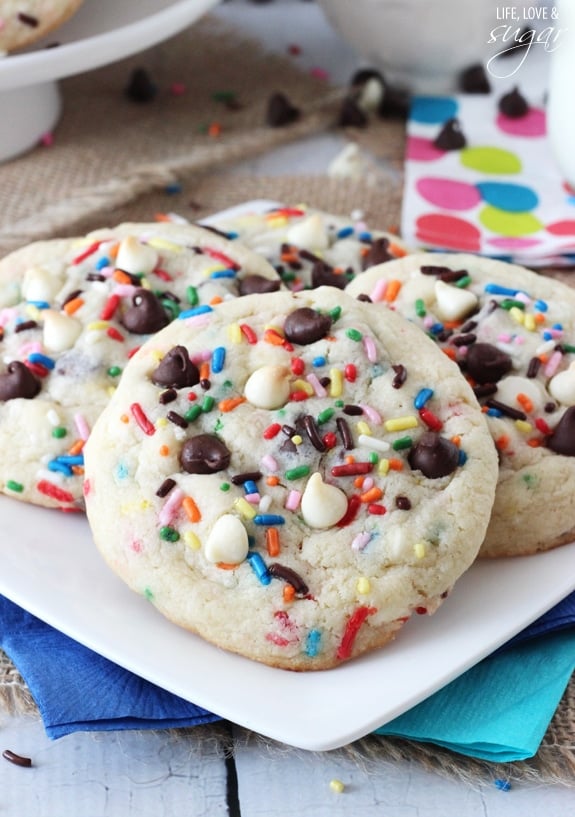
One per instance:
[(114, 160)]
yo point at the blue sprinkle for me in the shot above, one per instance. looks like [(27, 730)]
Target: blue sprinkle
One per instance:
[(173, 188), (421, 398), (60, 467), (102, 262), (121, 471), (558, 326), (43, 360), (493, 412), (319, 361), (496, 289), (39, 304), (259, 567), (70, 459), (224, 273), (268, 519), (541, 306), (365, 236), (547, 335), (462, 457), (345, 232), (231, 235), (218, 359), (250, 487), (502, 785), (437, 328), (312, 643), (197, 310)]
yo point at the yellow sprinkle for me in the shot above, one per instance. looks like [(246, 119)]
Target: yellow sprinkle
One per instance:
[(276, 221), (234, 333), (296, 439), (363, 428), (303, 385), (33, 312), (192, 540), (363, 586), (523, 426), (157, 355), (401, 423), (144, 283), (517, 314), (529, 322), (95, 326), (243, 507), (337, 786), (163, 244), (383, 466), (420, 550), (161, 422), (336, 382), (110, 390)]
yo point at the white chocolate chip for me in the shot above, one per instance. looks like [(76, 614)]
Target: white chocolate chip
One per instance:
[(40, 285), (60, 331), (310, 233), (227, 541), (562, 386), (322, 505), (268, 387), (453, 303), (350, 163), (135, 257), (371, 95)]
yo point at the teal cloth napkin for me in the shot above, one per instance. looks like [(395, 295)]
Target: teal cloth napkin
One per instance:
[(500, 709)]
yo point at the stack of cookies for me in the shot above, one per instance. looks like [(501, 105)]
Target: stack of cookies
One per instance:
[(289, 433)]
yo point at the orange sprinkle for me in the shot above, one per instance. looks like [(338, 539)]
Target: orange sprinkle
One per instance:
[(288, 593), (349, 458), (113, 250), (161, 217), (543, 358), (230, 403), (217, 299), (539, 317), (502, 442), (121, 277), (452, 324), (272, 480), (273, 337), (534, 442), (525, 402), (395, 465), (191, 509), (76, 447), (392, 291), (273, 541), (205, 370), (226, 566), (372, 495), (72, 306), (456, 440), (78, 470), (124, 418), (164, 451), (358, 482), (396, 250), (214, 129), (449, 352)]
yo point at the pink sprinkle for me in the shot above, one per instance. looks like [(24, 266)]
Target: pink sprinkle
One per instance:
[(519, 340), (360, 541), (177, 88), (428, 321), (523, 297), (504, 337), (293, 500), (313, 380), (253, 499), (201, 357), (47, 139), (372, 415), (82, 426), (107, 272), (171, 506), (319, 73), (123, 290), (198, 321), (6, 315), (370, 350), (378, 292), (368, 483), (269, 462), (553, 364), (30, 348), (556, 333)]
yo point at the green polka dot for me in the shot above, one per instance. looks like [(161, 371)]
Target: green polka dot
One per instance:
[(490, 160), (509, 224)]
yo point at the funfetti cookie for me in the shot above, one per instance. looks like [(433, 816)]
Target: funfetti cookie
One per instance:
[(310, 248), (513, 334), (72, 312), (331, 476), (25, 21)]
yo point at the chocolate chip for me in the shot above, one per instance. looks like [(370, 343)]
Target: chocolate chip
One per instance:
[(486, 363), (378, 253), (473, 80), (450, 137), (280, 111), (18, 381), (204, 454), (256, 284), (140, 87), (513, 105), (351, 115), (562, 441), (176, 370), (145, 315), (322, 274), (18, 760), (434, 456), (305, 325)]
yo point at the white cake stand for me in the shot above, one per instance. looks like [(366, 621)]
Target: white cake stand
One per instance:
[(101, 32)]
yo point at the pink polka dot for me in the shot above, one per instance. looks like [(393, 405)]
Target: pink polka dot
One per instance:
[(452, 195), (449, 232), (532, 124), (422, 150), (565, 227), (513, 243)]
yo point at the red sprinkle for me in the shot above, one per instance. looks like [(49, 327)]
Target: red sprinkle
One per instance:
[(113, 333), (248, 333), (141, 419), (353, 506), (220, 256), (351, 469), (298, 395), (86, 253), (271, 431), (329, 439), (376, 509), (430, 419), (297, 366), (37, 369), (51, 490), (350, 373), (542, 426), (163, 275), (132, 352), (109, 307), (352, 628)]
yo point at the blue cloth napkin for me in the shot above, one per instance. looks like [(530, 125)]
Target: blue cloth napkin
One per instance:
[(498, 710)]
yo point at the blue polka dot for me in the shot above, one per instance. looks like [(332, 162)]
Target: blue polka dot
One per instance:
[(433, 110), (513, 198)]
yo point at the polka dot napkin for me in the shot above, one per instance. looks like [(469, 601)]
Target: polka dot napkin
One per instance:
[(490, 187)]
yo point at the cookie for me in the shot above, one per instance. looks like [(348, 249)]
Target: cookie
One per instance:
[(512, 332), (25, 21), (310, 248), (334, 478), (72, 312)]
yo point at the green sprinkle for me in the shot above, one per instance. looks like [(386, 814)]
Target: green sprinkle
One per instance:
[(288, 276), (325, 415), (207, 403), (171, 307), (225, 486), (510, 303), (335, 313), (297, 473), (219, 425), (224, 96), (463, 282), (530, 481), (420, 309), (567, 348), (148, 594), (193, 413), (353, 334), (59, 432), (402, 443), (114, 371), (227, 384), (17, 487), (339, 404), (373, 457), (192, 296), (169, 534)]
